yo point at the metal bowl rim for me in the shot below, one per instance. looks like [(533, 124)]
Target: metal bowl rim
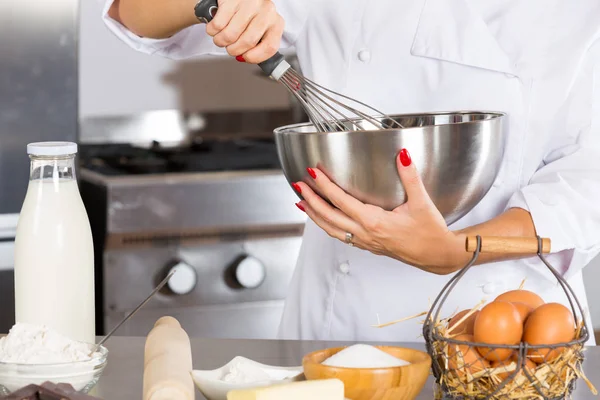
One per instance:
[(291, 129)]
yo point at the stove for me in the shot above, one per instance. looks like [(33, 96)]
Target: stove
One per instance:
[(205, 156), (218, 209)]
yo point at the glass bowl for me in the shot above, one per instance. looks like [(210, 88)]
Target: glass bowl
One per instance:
[(82, 375)]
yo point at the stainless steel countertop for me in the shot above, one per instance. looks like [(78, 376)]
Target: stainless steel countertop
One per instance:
[(122, 378)]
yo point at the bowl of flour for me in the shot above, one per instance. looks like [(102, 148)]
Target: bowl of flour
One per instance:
[(34, 354)]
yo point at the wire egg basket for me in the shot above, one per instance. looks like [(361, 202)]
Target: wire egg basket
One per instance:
[(461, 367)]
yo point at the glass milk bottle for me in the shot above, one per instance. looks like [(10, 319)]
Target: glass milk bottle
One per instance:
[(54, 255)]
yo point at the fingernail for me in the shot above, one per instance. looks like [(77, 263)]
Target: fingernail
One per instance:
[(300, 207), (240, 59), (312, 173), (405, 157), (297, 187)]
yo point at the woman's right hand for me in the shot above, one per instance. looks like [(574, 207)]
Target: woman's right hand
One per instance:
[(250, 30)]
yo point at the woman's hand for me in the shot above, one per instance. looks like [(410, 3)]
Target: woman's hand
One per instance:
[(250, 30), (414, 233)]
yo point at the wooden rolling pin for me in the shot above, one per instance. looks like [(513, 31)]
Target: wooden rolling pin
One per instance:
[(168, 362)]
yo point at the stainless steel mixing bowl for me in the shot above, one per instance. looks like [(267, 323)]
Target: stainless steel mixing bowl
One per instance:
[(457, 154)]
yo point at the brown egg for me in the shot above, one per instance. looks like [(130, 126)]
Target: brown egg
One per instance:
[(529, 365), (462, 358), (499, 323), (521, 296), (551, 323), (464, 327), (524, 310)]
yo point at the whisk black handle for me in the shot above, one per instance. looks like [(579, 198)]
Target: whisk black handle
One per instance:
[(206, 10)]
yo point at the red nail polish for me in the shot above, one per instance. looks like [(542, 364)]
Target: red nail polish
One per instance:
[(297, 187), (240, 59), (404, 157), (300, 207), (312, 173)]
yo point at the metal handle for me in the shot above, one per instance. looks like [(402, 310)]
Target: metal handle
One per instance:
[(507, 245), (206, 10)]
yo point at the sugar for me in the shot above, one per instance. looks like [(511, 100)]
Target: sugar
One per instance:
[(363, 356)]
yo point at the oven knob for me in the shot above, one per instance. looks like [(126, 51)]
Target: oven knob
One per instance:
[(184, 280), (250, 272)]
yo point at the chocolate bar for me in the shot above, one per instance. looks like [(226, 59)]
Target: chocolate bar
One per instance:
[(48, 391)]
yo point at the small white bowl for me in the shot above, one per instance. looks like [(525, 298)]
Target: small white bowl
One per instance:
[(213, 388)]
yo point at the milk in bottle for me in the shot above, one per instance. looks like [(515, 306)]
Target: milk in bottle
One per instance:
[(54, 255)]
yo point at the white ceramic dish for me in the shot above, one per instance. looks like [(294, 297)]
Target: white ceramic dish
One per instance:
[(213, 388)]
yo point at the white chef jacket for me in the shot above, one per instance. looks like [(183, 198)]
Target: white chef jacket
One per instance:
[(538, 61)]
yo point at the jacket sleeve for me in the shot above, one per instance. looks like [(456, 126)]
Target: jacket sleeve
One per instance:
[(194, 41), (563, 196)]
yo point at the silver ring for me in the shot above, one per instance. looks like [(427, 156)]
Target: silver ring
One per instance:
[(349, 238)]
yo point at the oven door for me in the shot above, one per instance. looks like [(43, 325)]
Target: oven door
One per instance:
[(232, 289)]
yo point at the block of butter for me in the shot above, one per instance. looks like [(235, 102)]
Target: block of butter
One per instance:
[(326, 389)]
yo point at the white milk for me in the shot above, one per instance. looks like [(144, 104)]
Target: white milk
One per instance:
[(54, 257)]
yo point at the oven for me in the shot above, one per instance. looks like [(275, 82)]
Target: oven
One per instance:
[(219, 210), (227, 289)]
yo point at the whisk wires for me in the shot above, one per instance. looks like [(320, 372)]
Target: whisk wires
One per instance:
[(329, 114)]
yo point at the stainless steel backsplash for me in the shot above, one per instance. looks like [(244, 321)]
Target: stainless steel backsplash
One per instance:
[(38, 86)]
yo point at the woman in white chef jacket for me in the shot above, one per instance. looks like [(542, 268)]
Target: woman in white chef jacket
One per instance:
[(538, 63)]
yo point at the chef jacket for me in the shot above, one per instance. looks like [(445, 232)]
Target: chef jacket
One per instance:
[(538, 61)]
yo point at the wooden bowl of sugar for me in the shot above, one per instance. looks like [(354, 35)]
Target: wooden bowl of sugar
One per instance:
[(371, 372)]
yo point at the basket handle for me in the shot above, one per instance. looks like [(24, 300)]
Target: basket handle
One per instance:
[(507, 245)]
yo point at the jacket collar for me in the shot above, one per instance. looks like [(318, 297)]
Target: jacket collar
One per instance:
[(453, 31)]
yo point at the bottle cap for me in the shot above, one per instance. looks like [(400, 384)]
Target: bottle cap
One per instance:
[(52, 148)]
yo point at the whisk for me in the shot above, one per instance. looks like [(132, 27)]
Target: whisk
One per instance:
[(324, 111)]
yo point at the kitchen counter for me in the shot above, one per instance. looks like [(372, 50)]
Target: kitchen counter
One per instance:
[(122, 378)]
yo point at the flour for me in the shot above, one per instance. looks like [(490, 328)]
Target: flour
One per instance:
[(363, 356), (241, 371), (33, 344)]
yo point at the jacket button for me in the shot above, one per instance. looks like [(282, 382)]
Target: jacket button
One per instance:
[(364, 55), (344, 268), (489, 288)]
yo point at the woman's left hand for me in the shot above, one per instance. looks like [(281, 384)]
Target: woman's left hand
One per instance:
[(414, 233)]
